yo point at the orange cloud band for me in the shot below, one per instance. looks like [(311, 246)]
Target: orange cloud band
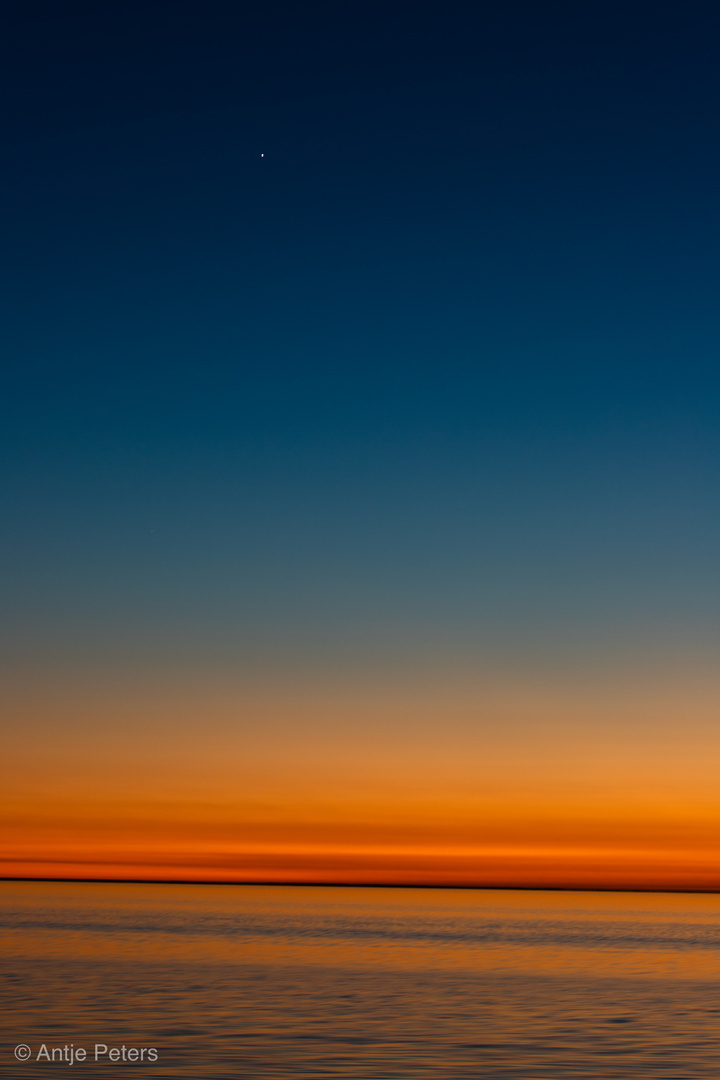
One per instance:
[(490, 867)]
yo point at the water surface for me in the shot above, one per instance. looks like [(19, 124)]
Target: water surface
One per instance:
[(271, 982)]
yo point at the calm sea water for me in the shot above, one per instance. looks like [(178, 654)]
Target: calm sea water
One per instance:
[(270, 982)]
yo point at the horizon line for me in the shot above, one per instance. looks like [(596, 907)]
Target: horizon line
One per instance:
[(364, 885)]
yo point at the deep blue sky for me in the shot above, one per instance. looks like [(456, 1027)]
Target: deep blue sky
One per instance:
[(349, 329)]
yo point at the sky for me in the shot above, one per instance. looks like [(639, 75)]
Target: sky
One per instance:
[(359, 442)]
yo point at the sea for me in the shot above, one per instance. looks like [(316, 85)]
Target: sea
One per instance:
[(266, 982)]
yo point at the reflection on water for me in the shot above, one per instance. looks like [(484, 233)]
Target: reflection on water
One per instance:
[(265, 982)]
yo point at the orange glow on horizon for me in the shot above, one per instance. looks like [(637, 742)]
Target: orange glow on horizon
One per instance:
[(486, 784)]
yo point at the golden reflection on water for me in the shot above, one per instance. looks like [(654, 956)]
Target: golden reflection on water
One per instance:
[(619, 933)]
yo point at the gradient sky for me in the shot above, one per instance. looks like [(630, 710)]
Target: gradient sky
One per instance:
[(360, 448)]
